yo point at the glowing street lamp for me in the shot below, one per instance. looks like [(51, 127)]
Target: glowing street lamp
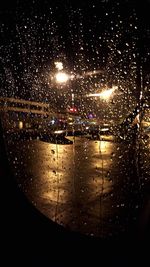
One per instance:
[(105, 94), (61, 77)]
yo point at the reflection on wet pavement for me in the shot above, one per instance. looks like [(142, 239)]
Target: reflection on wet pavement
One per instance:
[(87, 186)]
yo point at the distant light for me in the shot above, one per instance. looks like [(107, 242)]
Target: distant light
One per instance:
[(59, 65), (141, 95), (105, 94), (58, 131), (20, 125), (73, 109), (62, 77), (95, 94), (104, 129), (90, 116)]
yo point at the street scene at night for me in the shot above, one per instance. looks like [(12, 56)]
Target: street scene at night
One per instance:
[(86, 185), (75, 111)]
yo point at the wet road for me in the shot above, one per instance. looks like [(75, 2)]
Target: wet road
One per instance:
[(86, 185)]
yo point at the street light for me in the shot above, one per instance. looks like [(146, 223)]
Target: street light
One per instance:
[(61, 77), (105, 94)]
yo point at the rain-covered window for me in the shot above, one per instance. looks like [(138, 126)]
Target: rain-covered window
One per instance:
[(74, 105)]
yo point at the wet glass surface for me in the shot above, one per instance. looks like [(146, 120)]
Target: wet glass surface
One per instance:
[(74, 106)]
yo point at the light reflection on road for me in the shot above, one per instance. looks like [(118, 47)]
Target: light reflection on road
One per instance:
[(78, 181), (72, 184)]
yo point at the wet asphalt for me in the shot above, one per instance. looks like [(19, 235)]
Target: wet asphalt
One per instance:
[(94, 187)]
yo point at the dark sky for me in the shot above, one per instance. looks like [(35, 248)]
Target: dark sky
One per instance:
[(32, 37), (29, 7)]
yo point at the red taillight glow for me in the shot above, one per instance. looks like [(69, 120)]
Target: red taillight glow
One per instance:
[(73, 109)]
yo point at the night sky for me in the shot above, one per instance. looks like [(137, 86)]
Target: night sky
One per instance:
[(113, 36)]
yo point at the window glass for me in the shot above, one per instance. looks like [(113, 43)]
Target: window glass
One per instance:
[(74, 104)]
